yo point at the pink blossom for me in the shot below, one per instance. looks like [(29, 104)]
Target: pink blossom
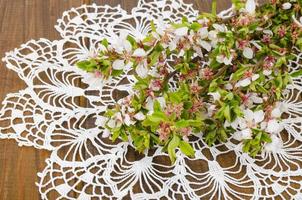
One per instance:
[(281, 31), (266, 39), (163, 71), (174, 109), (150, 93), (186, 131), (207, 73), (164, 131), (197, 104), (248, 74), (97, 74), (242, 44), (195, 88), (269, 62), (155, 85)]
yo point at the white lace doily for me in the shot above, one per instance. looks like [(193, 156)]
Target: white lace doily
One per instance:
[(49, 114)]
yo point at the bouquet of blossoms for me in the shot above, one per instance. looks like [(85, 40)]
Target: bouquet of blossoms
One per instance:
[(217, 78)]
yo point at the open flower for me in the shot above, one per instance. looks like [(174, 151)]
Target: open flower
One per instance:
[(202, 36), (94, 80), (120, 43), (142, 66), (244, 125), (250, 99), (224, 59), (275, 145), (249, 77)]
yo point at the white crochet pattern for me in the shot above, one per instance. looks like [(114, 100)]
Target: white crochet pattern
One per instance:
[(49, 114)]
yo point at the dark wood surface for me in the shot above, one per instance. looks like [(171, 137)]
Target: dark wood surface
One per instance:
[(20, 21)]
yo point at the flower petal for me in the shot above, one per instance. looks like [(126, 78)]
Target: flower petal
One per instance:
[(275, 145), (203, 32), (139, 53), (244, 82), (273, 126), (250, 6), (181, 31), (276, 113), (139, 116), (216, 96), (255, 77), (106, 133), (127, 45), (246, 133), (111, 123), (127, 120), (207, 46), (258, 116), (248, 52), (118, 64), (161, 101), (248, 115), (286, 6), (141, 70)]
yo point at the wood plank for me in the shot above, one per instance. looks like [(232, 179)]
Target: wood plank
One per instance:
[(20, 21)]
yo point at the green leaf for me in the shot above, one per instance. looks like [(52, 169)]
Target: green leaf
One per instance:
[(266, 138), (153, 27), (227, 113), (156, 106), (105, 42), (157, 117), (116, 72), (186, 148), (296, 73), (87, 65), (132, 41), (115, 134), (195, 26), (173, 144), (229, 96)]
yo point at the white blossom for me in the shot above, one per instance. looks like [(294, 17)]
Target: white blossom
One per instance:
[(106, 133), (181, 31), (273, 126), (216, 96), (139, 52), (248, 52), (286, 6), (139, 116), (250, 6), (275, 145), (120, 43), (94, 80), (142, 69), (244, 124), (224, 59), (247, 81)]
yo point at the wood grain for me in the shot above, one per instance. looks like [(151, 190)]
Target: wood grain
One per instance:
[(20, 21)]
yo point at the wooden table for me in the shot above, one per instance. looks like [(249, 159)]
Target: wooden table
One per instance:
[(22, 20)]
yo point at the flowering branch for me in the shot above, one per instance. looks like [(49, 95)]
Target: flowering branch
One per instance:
[(231, 77)]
